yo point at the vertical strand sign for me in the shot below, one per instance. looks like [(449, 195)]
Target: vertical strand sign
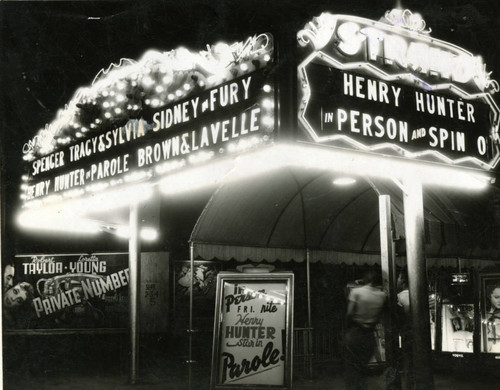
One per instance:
[(253, 331)]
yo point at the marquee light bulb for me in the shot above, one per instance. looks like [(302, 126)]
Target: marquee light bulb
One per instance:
[(51, 220), (146, 233), (149, 234), (122, 231), (196, 178), (267, 103), (268, 120), (344, 181), (147, 81)]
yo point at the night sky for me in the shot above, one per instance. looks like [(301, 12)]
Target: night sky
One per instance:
[(49, 49)]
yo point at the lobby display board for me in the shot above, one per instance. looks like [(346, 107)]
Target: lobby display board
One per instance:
[(253, 328)]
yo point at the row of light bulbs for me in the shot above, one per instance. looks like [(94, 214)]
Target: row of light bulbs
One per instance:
[(123, 91), (261, 295)]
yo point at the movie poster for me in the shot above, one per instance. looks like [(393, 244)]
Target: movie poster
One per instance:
[(204, 288), (66, 292), (457, 328), (253, 333), (490, 308)]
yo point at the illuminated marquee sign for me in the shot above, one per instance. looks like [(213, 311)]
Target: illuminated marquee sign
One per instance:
[(388, 87), (141, 120)]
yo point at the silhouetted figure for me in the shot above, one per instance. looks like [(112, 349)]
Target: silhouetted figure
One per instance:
[(364, 309), (405, 329)]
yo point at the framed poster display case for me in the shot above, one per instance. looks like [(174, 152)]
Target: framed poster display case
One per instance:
[(490, 314), (457, 314), (253, 328)]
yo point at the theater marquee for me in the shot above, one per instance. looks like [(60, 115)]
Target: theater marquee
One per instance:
[(141, 120), (389, 87)]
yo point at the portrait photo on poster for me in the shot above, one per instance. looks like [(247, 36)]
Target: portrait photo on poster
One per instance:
[(490, 313)]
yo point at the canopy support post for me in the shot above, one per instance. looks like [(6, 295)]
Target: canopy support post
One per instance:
[(417, 280), (389, 286), (309, 338), (308, 270), (190, 331), (134, 288)]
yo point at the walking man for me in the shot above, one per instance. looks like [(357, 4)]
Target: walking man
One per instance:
[(364, 310)]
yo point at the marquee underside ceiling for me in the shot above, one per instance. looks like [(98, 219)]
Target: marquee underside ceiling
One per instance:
[(302, 209)]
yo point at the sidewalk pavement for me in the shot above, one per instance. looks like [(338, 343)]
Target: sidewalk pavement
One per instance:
[(120, 382)]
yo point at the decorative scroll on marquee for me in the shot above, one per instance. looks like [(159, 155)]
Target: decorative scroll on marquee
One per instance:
[(407, 19), (320, 32), (397, 48)]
